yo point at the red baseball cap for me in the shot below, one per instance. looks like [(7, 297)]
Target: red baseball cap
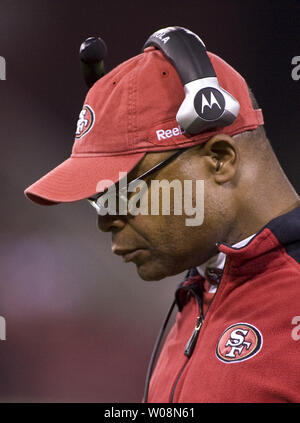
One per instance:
[(127, 113)]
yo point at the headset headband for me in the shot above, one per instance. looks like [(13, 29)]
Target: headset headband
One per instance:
[(185, 50)]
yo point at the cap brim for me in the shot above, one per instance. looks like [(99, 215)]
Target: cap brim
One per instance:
[(77, 178)]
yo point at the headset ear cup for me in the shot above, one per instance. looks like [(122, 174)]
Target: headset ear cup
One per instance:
[(206, 106)]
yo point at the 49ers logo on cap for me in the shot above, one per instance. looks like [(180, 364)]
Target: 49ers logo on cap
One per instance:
[(85, 122), (239, 342)]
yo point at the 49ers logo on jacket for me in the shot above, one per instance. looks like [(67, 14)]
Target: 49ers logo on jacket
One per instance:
[(239, 342), (85, 121)]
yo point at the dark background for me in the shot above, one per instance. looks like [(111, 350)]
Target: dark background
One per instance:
[(80, 323)]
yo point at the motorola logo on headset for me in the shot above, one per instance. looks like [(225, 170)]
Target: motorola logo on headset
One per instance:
[(209, 103), (206, 105)]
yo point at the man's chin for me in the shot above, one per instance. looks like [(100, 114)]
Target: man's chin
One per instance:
[(153, 272)]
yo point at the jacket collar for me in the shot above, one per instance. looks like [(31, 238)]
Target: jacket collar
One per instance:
[(282, 231)]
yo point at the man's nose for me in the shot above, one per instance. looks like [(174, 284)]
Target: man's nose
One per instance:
[(109, 223)]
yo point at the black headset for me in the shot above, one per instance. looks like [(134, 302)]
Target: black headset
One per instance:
[(206, 104)]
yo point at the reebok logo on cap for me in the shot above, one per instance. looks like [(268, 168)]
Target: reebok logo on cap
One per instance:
[(169, 133), (85, 122)]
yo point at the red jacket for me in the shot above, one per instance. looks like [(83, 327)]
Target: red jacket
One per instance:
[(246, 348)]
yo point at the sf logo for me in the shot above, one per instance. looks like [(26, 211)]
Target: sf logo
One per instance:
[(82, 122), (237, 342), (85, 121)]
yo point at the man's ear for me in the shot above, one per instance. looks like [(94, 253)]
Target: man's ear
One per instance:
[(221, 157)]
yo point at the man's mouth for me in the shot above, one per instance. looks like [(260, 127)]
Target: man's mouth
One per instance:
[(128, 254)]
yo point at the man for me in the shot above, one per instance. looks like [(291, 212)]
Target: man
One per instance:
[(233, 337)]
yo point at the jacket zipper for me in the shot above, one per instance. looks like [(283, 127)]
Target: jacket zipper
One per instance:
[(190, 345), (189, 348)]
